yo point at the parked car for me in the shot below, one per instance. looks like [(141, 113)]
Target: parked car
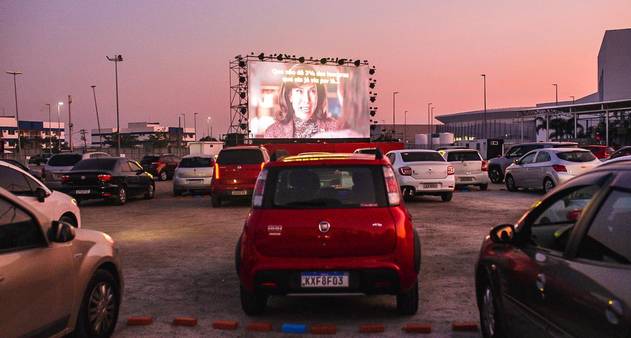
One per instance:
[(160, 166), (19, 165), (236, 170), (626, 159), (423, 172), (469, 167), (563, 269), (113, 178), (601, 152), (54, 204), (59, 164), (40, 158), (55, 279), (328, 224), (623, 151), (194, 173), (498, 165), (544, 169)]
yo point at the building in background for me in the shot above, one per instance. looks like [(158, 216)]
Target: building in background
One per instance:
[(140, 134), (33, 134)]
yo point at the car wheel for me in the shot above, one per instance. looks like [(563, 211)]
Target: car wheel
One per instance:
[(163, 175), (510, 183), (407, 302), (150, 192), (447, 196), (121, 196), (253, 303), (215, 201), (408, 194), (69, 220), (484, 187), (99, 308), (495, 175), (548, 185), (490, 314)]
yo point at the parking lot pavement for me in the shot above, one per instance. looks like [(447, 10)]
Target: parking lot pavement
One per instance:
[(178, 260)]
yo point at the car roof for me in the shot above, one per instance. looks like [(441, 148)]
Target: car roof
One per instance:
[(449, 150), (413, 151), (199, 155), (560, 150), (329, 159)]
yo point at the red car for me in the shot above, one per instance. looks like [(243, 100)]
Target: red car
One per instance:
[(601, 152), (236, 170), (328, 224)]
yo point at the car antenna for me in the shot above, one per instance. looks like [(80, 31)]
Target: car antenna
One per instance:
[(378, 154)]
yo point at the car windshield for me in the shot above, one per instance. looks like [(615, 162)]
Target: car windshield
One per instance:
[(456, 156), (576, 156), (240, 156), (64, 160), (149, 159), (196, 162), (96, 164), (419, 156), (325, 187)]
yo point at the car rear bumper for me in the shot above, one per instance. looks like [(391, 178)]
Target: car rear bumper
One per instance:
[(192, 183), (232, 190), (472, 179), (429, 186), (90, 192)]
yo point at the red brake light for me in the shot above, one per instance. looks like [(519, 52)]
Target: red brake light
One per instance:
[(104, 178), (405, 171), (485, 165), (559, 168), (216, 170), (451, 170), (574, 215), (65, 179), (259, 189), (394, 195), (262, 165)]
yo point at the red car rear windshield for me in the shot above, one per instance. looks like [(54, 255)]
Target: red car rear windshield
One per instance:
[(325, 187), (240, 156)]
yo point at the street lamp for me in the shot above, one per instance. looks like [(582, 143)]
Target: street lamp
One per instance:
[(394, 109), (556, 93), (17, 112), (195, 125), (50, 136), (116, 59), (98, 122), (572, 96), (484, 129), (210, 133), (59, 105), (405, 126)]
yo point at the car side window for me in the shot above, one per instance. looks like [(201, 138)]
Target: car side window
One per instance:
[(554, 223), (14, 181), (124, 166), (134, 167), (528, 158), (392, 157), (609, 235), (18, 230), (543, 156)]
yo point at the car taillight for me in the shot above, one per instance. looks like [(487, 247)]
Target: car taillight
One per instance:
[(405, 171), (262, 165), (559, 168), (394, 196), (104, 177), (259, 189), (216, 170), (485, 165), (451, 170), (65, 179)]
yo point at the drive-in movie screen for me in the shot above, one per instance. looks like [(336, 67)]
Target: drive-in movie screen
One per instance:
[(294, 100)]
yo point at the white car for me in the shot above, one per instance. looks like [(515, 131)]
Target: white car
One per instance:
[(60, 164), (193, 173), (470, 168), (422, 172), (54, 204)]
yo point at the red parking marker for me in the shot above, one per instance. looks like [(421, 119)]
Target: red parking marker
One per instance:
[(464, 326), (185, 321), (372, 328), (225, 325), (323, 329), (139, 320), (417, 328), (259, 327)]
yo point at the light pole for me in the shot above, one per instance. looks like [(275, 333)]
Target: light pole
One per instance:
[(405, 126), (17, 112), (572, 96), (210, 134), (431, 120), (195, 125), (50, 136), (70, 121), (98, 122), (394, 109), (59, 105), (556, 93), (429, 131), (116, 59), (484, 129)]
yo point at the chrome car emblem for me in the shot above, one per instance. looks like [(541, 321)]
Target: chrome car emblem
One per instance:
[(83, 177), (324, 226)]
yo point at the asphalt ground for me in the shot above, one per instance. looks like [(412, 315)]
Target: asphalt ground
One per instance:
[(178, 260)]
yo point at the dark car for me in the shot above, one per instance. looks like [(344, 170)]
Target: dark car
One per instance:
[(115, 179), (236, 170), (624, 151), (40, 158), (160, 166), (564, 269), (498, 165)]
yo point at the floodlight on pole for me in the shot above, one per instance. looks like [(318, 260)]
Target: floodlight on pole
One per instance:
[(484, 129), (116, 59), (17, 112), (59, 105)]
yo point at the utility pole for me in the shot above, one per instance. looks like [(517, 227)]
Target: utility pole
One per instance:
[(429, 131), (59, 105), (208, 120), (195, 125), (98, 122), (116, 59), (394, 109), (180, 130), (17, 112), (405, 126), (556, 93), (484, 129), (50, 135), (85, 146), (70, 121)]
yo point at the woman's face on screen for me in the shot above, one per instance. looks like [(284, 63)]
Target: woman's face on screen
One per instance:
[(304, 99)]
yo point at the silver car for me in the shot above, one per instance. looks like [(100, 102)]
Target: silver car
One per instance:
[(469, 167), (60, 164), (193, 174), (546, 168)]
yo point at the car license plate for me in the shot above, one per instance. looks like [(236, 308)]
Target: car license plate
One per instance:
[(430, 185), (195, 180), (239, 192), (324, 279), (82, 192), (466, 179)]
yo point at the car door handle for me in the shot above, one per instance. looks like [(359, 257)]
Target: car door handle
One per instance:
[(614, 311), (541, 282)]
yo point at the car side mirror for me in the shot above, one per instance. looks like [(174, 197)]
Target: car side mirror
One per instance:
[(41, 194), (61, 232), (503, 233)]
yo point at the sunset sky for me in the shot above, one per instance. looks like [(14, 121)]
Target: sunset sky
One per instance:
[(176, 52)]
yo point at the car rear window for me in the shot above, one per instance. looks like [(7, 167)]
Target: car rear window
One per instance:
[(419, 156), (576, 156), (196, 162), (240, 156), (456, 156), (371, 151), (325, 187), (65, 160), (96, 164)]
